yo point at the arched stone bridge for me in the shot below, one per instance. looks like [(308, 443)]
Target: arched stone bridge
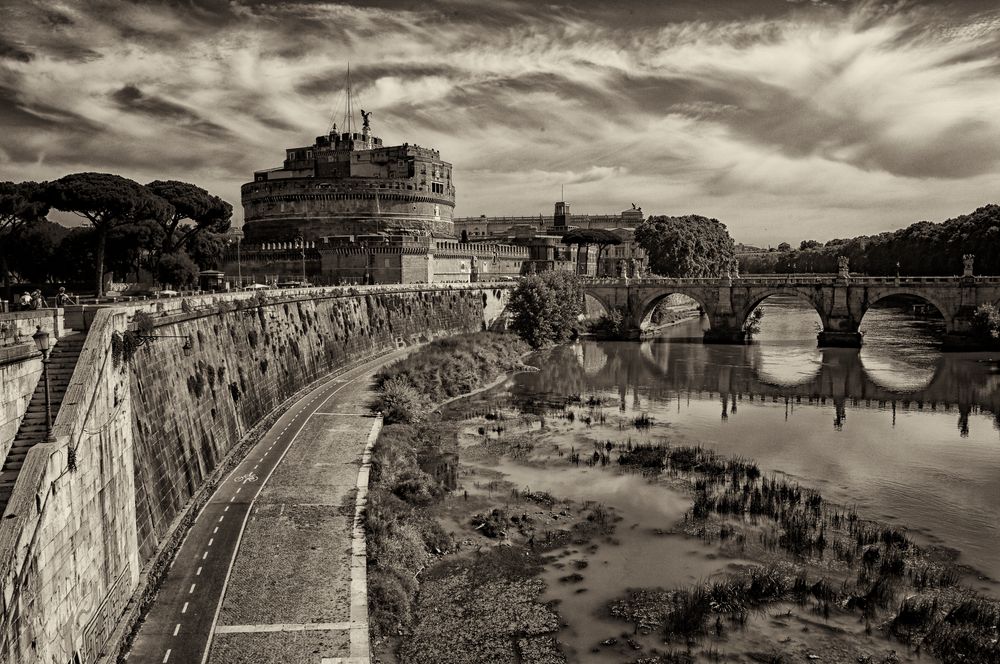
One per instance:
[(840, 301)]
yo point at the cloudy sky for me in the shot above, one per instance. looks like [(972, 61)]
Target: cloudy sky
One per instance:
[(785, 119)]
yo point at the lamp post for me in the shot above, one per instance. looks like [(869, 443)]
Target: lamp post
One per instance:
[(302, 247), (41, 339), (238, 236)]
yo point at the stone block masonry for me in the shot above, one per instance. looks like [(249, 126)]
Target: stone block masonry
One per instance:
[(20, 371), (146, 436)]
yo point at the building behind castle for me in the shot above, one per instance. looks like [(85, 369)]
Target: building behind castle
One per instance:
[(348, 209)]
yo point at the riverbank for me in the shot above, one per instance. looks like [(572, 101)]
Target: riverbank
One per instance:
[(845, 588), (523, 465)]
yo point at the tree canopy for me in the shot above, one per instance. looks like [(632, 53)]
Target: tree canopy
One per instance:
[(923, 248), (689, 246), (545, 307), (107, 201), (20, 207), (190, 203), (585, 236)]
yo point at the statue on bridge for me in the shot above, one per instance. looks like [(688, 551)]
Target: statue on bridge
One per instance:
[(843, 267), (967, 261)]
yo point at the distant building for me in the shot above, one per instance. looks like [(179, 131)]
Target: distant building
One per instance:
[(542, 235)]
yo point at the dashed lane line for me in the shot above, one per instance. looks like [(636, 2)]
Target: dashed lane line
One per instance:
[(166, 656), (260, 487), (177, 628)]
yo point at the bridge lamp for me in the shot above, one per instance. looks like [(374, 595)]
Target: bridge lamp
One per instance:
[(41, 339)]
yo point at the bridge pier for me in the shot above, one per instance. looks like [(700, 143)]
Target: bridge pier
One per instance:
[(725, 335), (839, 339)]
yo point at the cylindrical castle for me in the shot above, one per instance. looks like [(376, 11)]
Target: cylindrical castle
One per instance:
[(350, 184)]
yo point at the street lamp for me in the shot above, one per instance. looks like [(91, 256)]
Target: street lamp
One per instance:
[(41, 339), (238, 236), (188, 347), (302, 245)]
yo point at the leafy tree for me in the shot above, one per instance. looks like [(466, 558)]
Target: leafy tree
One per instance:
[(206, 249), (107, 201), (20, 206), (32, 251), (986, 324), (74, 256), (597, 236), (752, 324), (809, 244), (923, 248), (690, 246), (177, 269), (545, 307), (784, 246), (132, 247), (190, 203)]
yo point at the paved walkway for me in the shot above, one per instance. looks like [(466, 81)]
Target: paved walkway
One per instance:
[(265, 573)]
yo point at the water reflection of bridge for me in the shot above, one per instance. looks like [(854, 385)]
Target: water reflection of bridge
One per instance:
[(662, 371)]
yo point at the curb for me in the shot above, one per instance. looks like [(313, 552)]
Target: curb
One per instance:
[(360, 652)]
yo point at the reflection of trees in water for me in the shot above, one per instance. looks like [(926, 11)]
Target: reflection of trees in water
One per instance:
[(662, 371)]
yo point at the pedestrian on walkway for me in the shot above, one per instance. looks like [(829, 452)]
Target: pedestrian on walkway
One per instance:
[(63, 298), (25, 302), (37, 301)]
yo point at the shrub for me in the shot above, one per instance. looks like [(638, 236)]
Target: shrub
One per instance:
[(399, 401), (986, 323)]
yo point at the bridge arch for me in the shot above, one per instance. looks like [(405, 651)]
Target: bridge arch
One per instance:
[(590, 297), (757, 298), (646, 305), (929, 298)]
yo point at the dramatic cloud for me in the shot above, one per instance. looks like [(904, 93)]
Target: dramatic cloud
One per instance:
[(785, 119)]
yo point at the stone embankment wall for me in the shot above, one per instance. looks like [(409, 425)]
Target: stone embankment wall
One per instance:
[(21, 365), (20, 370), (135, 442)]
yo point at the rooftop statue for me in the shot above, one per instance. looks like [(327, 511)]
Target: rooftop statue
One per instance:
[(365, 117)]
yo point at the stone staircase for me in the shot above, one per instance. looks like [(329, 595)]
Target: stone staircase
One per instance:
[(62, 361)]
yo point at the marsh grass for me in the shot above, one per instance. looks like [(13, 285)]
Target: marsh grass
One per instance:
[(952, 622), (401, 540), (407, 389)]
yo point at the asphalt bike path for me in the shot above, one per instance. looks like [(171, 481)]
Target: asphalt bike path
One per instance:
[(179, 623)]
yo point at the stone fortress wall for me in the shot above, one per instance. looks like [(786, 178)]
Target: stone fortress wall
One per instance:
[(281, 210), (82, 531)]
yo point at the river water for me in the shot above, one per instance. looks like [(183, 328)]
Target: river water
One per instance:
[(905, 433)]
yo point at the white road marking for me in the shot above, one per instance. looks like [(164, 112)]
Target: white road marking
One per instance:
[(204, 555), (225, 510), (238, 489), (167, 656), (221, 518), (246, 518), (210, 540), (191, 589), (184, 609), (177, 628), (198, 573)]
